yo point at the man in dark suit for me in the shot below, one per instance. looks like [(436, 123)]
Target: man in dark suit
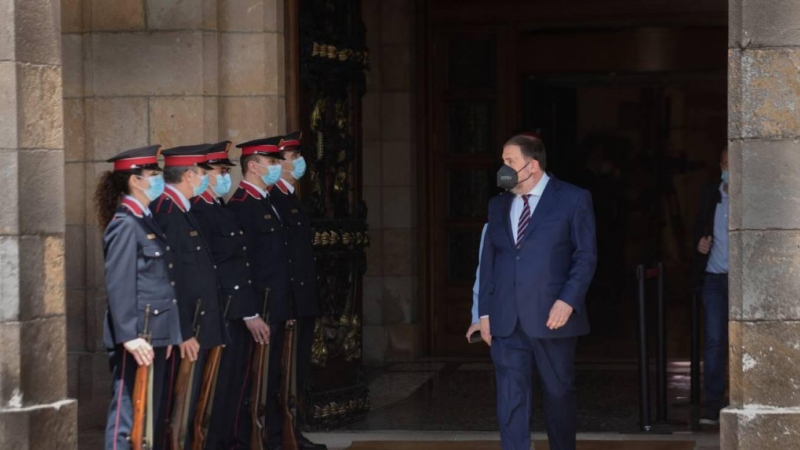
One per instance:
[(538, 259)]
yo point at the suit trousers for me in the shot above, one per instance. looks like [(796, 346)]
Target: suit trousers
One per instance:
[(514, 358)]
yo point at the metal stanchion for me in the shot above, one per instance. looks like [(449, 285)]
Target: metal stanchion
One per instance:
[(661, 356)]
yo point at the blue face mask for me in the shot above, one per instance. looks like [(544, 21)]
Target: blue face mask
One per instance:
[(725, 177), (203, 186), (299, 168), (156, 186), (223, 185), (273, 174)]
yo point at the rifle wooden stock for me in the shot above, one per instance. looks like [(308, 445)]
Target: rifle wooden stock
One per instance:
[(177, 429), (201, 423), (139, 399), (257, 408), (287, 401)]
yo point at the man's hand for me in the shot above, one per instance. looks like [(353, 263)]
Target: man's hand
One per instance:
[(259, 329), (486, 333), (473, 328), (142, 351), (190, 349), (705, 245), (559, 315)]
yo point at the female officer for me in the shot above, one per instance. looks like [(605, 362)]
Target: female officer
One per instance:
[(139, 287)]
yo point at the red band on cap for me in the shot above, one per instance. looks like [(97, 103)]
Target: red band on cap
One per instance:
[(133, 163), (183, 160), (292, 143), (218, 155), (251, 150)]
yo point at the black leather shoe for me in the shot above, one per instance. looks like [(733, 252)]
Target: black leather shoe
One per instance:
[(305, 444)]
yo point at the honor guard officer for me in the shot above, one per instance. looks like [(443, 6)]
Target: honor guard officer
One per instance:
[(301, 264), (229, 425), (196, 283), (267, 247), (138, 283)]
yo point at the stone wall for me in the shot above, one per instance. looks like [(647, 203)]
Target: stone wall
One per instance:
[(139, 72), (392, 329)]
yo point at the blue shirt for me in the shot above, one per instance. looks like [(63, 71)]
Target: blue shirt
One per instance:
[(718, 259), (476, 286)]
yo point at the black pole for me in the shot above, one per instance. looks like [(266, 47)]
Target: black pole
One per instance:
[(695, 357), (644, 388), (661, 363)]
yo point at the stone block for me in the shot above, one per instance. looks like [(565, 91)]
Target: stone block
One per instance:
[(375, 253), (375, 342), (765, 364), (7, 38), (114, 125), (176, 121), (243, 15), (371, 164), (399, 298), (735, 23), (9, 202), (398, 251), (41, 277), (76, 321), (405, 342), (211, 119), (73, 371), (395, 21), (242, 118), (8, 104), (75, 257), (41, 178), (174, 14), (14, 428), (735, 97), (61, 422), (276, 72), (71, 16), (40, 109), (275, 115), (372, 197), (74, 131), (766, 23), (210, 15), (44, 361), (210, 63), (762, 281), (396, 163), (168, 63), (11, 346), (396, 117), (9, 278), (735, 162), (397, 59), (93, 173), (373, 304), (95, 271), (38, 32), (371, 116), (96, 308), (117, 15), (759, 428), (243, 64), (75, 183), (770, 93), (275, 17), (397, 211)]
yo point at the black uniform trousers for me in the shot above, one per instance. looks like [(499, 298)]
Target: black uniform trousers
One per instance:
[(120, 413), (304, 329)]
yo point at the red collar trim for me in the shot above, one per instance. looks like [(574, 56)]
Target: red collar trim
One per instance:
[(173, 195), (133, 207), (207, 197), (282, 187), (250, 189)]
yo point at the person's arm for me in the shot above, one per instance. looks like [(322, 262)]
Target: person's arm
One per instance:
[(584, 256), (121, 275), (486, 288), (476, 286)]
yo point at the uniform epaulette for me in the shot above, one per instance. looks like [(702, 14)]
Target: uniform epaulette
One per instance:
[(239, 196)]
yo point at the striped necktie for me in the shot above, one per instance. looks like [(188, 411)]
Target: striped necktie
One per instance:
[(524, 219)]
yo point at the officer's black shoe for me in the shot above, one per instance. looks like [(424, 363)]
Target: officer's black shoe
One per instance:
[(305, 444)]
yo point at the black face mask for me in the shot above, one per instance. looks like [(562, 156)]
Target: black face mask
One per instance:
[(508, 178)]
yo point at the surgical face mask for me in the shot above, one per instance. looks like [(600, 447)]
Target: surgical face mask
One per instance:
[(203, 185), (298, 168), (223, 185), (156, 187), (725, 177), (273, 174), (508, 178)]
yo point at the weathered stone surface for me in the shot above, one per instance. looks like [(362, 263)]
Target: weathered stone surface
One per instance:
[(211, 63), (372, 197), (114, 125), (771, 93), (397, 59), (396, 21), (9, 170), (764, 284), (41, 277), (765, 364), (174, 14), (210, 14), (211, 119), (375, 253), (242, 118), (7, 41), (117, 15), (242, 15), (373, 306), (398, 251), (168, 63), (396, 163), (371, 122), (735, 23), (74, 130), (76, 322), (274, 13), (44, 361), (735, 184), (243, 64), (41, 178), (397, 207), (75, 244), (8, 104), (396, 116), (93, 173), (399, 299), (767, 23), (9, 278), (72, 51), (38, 31), (72, 16), (96, 308), (75, 183), (176, 121), (275, 115), (405, 342), (14, 429), (60, 423), (372, 163), (276, 72), (10, 364), (40, 109), (377, 337), (759, 428), (735, 96)]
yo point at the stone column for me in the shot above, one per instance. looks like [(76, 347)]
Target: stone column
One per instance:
[(34, 410), (764, 126)]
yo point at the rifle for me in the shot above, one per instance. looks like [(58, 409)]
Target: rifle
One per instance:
[(205, 401), (140, 395), (177, 427), (257, 407), (287, 399)]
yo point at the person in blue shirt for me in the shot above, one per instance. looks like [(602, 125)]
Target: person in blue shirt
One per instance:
[(476, 321)]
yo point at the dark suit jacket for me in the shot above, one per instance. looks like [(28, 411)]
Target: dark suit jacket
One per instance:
[(556, 261), (704, 226)]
